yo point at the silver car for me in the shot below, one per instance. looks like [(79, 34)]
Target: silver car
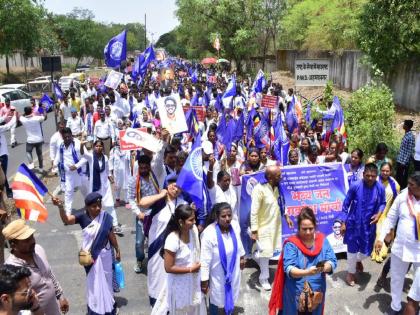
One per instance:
[(18, 98)]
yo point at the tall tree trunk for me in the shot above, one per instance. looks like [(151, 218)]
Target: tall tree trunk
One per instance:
[(7, 65), (77, 63), (264, 51), (26, 70)]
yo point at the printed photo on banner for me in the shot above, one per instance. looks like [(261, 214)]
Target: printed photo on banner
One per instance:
[(128, 146), (171, 114), (140, 139), (167, 76), (113, 79), (320, 187)]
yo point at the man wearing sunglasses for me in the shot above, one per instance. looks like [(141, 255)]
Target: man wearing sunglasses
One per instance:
[(26, 253), (16, 293)]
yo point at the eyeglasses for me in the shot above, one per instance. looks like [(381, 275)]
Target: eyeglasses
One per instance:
[(26, 293), (336, 227)]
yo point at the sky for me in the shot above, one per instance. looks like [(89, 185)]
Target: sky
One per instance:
[(160, 14)]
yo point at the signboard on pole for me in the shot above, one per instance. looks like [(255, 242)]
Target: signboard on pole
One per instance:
[(312, 72)]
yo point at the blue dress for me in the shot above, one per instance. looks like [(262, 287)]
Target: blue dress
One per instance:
[(293, 257), (360, 204)]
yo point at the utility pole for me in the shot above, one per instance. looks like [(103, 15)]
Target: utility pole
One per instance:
[(145, 32)]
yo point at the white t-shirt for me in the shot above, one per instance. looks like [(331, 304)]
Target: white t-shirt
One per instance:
[(33, 128), (66, 110)]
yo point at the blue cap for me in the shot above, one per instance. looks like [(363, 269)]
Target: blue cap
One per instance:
[(73, 110), (92, 198)]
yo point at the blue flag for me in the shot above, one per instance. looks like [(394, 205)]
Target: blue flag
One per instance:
[(194, 76), (240, 122), (259, 82), (308, 113), (192, 122), (191, 179), (136, 67), (47, 102), (57, 91), (291, 116), (230, 92), (116, 50), (281, 144), (149, 56)]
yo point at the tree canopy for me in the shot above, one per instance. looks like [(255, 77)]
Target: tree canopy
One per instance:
[(389, 32)]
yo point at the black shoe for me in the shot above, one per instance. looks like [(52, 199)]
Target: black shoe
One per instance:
[(13, 145)]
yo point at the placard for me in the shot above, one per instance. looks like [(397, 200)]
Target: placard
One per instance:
[(128, 146), (171, 114), (113, 79), (312, 72), (269, 101)]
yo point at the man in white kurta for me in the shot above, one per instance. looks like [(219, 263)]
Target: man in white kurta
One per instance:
[(265, 221), (72, 161), (406, 248)]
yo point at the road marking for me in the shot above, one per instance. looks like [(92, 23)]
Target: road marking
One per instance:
[(347, 309)]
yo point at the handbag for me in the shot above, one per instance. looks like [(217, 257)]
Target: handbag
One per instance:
[(85, 258), (308, 299)]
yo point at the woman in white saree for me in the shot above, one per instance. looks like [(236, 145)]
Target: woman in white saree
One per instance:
[(181, 254), (99, 239)]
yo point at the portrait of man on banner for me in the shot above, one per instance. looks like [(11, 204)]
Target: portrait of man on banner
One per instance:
[(167, 78), (171, 114)]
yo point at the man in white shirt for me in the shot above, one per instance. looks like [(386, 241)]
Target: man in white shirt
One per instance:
[(75, 123), (35, 137), (405, 212), (104, 131), (4, 153), (65, 108), (55, 142), (69, 160)]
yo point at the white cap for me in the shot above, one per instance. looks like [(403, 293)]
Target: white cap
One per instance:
[(207, 147)]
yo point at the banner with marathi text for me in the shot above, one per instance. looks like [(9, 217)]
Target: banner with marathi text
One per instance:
[(321, 187)]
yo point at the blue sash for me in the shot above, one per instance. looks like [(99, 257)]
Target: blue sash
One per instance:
[(101, 239), (228, 270), (61, 164)]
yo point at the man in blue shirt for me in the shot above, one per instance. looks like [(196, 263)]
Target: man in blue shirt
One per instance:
[(362, 209), (405, 154)]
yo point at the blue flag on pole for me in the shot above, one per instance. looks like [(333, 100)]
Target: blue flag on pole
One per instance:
[(57, 91), (291, 116), (281, 144), (190, 179), (259, 82), (308, 113), (136, 67), (47, 102), (149, 56), (116, 50), (230, 92)]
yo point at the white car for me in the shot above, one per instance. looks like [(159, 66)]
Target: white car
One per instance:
[(65, 83), (18, 98), (15, 86)]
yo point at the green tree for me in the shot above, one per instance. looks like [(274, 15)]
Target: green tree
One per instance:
[(171, 43), (76, 32), (238, 22), (369, 118), (389, 32), (320, 24), (19, 27)]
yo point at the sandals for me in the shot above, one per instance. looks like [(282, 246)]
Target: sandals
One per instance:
[(359, 267), (351, 279)]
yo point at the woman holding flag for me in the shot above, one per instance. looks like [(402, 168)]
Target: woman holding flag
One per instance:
[(222, 259), (100, 241)]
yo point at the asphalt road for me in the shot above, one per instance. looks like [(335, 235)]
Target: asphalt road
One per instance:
[(62, 243)]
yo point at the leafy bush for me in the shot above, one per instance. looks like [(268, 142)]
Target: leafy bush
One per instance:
[(369, 119)]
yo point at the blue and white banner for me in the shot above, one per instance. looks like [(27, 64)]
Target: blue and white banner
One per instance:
[(320, 187)]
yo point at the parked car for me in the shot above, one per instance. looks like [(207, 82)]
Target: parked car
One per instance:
[(65, 83), (18, 98), (42, 84), (15, 86), (83, 68)]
